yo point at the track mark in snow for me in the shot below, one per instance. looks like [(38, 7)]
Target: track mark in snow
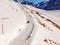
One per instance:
[(39, 14), (43, 24), (50, 42), (32, 11), (54, 23), (2, 29), (26, 7), (30, 32), (45, 40)]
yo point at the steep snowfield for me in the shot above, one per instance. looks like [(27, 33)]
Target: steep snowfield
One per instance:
[(48, 26), (26, 25)]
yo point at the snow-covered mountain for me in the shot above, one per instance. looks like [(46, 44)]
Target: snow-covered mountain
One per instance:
[(27, 25), (44, 4)]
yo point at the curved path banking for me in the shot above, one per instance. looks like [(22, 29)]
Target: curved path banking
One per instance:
[(27, 33), (17, 25)]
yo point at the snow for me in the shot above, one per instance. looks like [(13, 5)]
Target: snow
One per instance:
[(49, 31), (26, 25)]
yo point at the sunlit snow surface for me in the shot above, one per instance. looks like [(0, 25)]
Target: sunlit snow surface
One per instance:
[(26, 25)]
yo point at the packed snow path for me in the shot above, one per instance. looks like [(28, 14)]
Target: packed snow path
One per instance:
[(16, 27), (26, 25)]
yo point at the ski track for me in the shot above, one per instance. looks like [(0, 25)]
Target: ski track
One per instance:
[(37, 28)]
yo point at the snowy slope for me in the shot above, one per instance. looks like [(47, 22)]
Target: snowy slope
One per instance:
[(26, 25), (16, 25), (48, 26)]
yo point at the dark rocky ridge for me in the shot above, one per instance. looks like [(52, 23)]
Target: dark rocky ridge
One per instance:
[(49, 5)]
